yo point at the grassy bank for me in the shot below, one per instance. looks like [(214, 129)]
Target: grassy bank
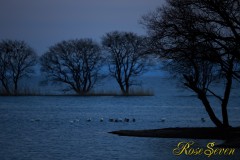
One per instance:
[(28, 92)]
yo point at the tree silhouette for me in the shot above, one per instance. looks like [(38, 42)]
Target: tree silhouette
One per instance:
[(16, 61), (75, 62), (199, 41), (125, 57)]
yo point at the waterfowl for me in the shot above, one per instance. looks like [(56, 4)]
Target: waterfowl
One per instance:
[(163, 119), (111, 120), (126, 120), (89, 120), (120, 120)]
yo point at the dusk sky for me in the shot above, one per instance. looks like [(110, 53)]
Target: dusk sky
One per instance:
[(42, 23)]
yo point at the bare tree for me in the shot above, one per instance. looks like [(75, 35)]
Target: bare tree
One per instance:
[(4, 72), (199, 41), (75, 62), (126, 57), (17, 60)]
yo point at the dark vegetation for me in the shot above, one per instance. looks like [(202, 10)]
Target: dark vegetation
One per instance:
[(199, 41)]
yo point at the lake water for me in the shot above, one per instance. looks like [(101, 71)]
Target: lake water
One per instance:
[(56, 127)]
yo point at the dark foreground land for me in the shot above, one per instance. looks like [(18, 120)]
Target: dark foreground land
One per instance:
[(230, 135)]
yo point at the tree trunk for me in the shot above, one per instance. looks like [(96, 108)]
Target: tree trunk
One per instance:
[(226, 96), (127, 88), (215, 120), (6, 88), (77, 89), (225, 117), (16, 88), (122, 88)]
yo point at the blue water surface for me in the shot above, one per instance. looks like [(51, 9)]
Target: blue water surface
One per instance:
[(56, 127)]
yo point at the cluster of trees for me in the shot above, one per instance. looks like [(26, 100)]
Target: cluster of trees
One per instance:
[(199, 41), (76, 63)]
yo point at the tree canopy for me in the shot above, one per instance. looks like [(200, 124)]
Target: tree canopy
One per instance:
[(17, 60), (199, 42), (126, 57), (75, 63)]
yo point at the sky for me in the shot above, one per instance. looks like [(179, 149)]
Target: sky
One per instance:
[(42, 23)]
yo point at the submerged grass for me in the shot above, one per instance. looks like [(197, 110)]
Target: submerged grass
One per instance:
[(23, 92), (33, 92), (112, 93)]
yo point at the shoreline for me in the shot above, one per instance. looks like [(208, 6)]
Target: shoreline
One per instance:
[(231, 136), (91, 94)]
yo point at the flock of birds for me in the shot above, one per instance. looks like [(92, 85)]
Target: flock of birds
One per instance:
[(115, 120), (128, 120), (111, 120)]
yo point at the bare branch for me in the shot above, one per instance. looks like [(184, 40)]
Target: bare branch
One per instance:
[(125, 57), (75, 62)]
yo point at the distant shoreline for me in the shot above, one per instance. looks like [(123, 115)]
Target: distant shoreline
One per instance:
[(82, 95)]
